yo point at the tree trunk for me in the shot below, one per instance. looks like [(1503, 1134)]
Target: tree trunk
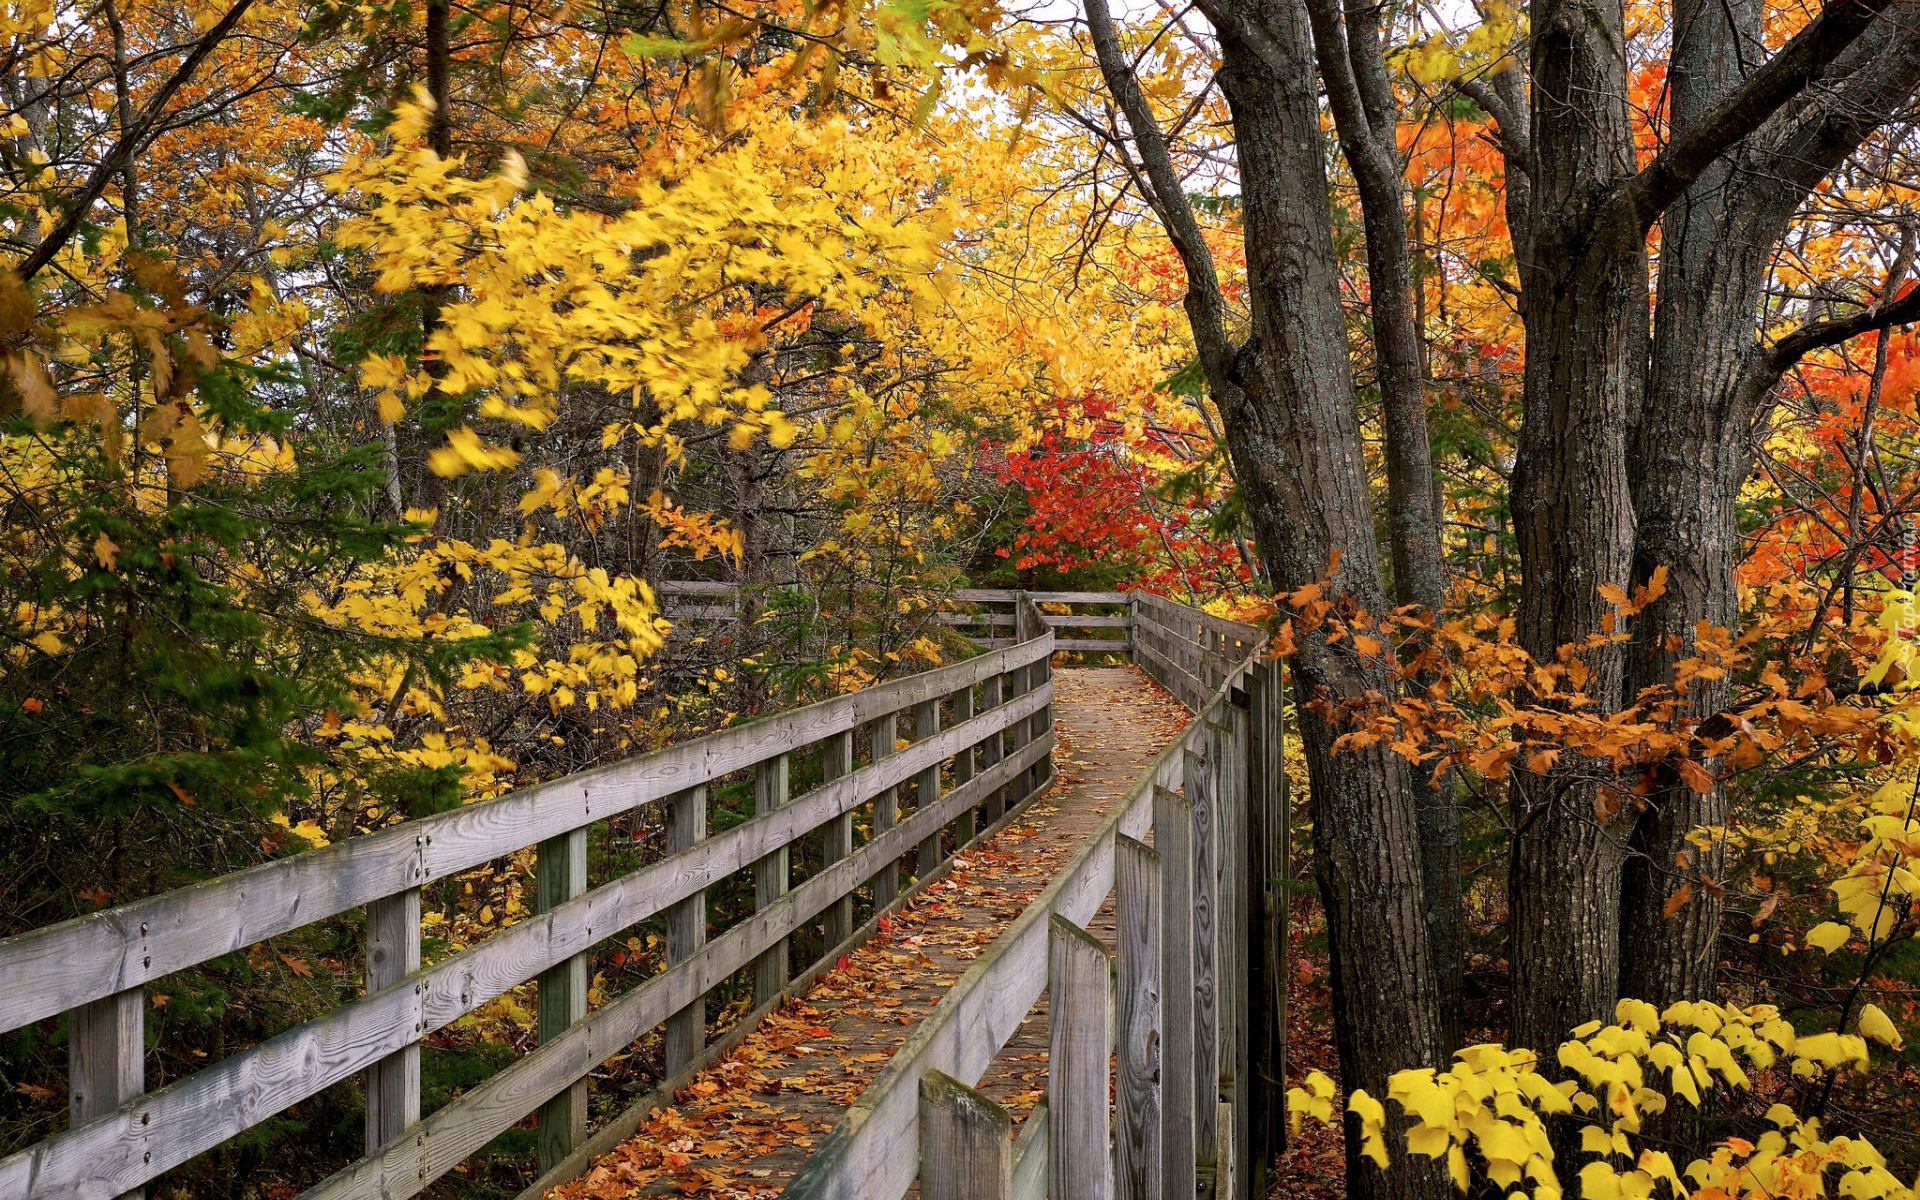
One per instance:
[(1348, 48), (1703, 413), (1585, 308)]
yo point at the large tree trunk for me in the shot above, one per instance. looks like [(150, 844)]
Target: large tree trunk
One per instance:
[(1293, 434), (1703, 412), (1690, 456), (1293, 431), (1585, 307), (1348, 46)]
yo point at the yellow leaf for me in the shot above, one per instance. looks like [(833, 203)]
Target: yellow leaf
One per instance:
[(1877, 1025), (106, 551), (1828, 936)]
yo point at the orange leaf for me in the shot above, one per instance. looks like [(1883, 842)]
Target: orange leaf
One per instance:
[(1680, 899), (298, 966), (1695, 776)]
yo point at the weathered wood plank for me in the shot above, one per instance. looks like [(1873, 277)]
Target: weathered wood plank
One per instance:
[(393, 953), (107, 1058), (454, 1132), (926, 786), (1079, 1048), (1202, 801), (1030, 1155), (836, 842), (964, 829), (886, 810), (991, 749), (966, 1142), (560, 874), (1107, 645), (1237, 904), (162, 1129), (1006, 595), (1136, 884), (686, 1032), (772, 876), (62, 966), (1173, 838)]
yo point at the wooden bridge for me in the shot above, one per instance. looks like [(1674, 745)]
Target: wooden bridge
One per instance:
[(1162, 1072)]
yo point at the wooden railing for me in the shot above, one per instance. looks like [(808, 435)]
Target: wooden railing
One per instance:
[(982, 745), (985, 616), (994, 613), (1195, 1027)]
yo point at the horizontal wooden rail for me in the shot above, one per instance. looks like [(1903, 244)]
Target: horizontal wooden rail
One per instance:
[(115, 1147), (62, 966)]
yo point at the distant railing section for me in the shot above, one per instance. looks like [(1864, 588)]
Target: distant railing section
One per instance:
[(1197, 1002), (985, 616), (982, 745)]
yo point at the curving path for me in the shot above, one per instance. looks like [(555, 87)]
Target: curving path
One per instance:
[(744, 1125)]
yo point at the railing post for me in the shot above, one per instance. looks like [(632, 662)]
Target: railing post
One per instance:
[(107, 1057), (1269, 843), (886, 812), (1173, 838), (836, 838), (992, 696), (1136, 882), (966, 1145), (771, 878), (1040, 722), (1080, 1044), (1236, 895), (965, 827), (393, 953), (686, 927), (560, 874), (1202, 796), (1013, 685), (926, 723)]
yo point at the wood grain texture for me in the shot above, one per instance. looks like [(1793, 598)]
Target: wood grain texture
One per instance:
[(1079, 1049), (1136, 884), (772, 875), (1173, 838), (926, 786), (836, 837), (1030, 1154), (560, 874), (966, 827), (107, 1058), (1201, 801), (393, 953), (886, 810), (686, 1033), (1237, 901), (965, 1141), (63, 966), (992, 696)]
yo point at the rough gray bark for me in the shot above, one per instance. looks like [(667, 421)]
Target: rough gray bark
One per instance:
[(1349, 49), (1293, 433), (1583, 268), (1706, 397)]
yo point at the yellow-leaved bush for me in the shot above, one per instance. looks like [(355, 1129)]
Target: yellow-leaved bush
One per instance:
[(658, 302), (1488, 1114)]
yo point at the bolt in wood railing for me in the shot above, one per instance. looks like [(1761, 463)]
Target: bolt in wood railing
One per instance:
[(1197, 951), (95, 968)]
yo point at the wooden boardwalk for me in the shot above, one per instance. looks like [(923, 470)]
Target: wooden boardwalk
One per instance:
[(743, 1126)]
